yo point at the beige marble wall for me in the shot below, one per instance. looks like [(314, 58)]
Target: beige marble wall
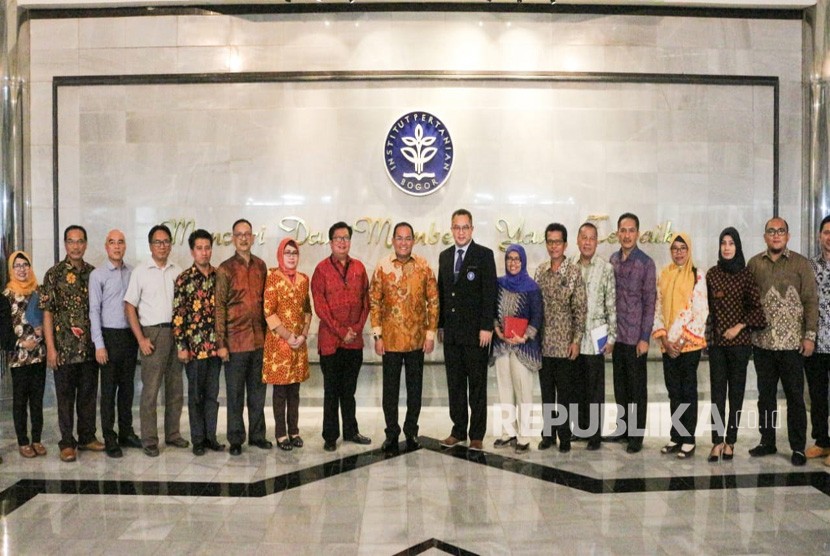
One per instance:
[(697, 155)]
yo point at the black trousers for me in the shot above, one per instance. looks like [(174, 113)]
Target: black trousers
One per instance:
[(202, 394), (76, 388), (788, 367), (590, 392), (816, 369), (727, 376), (680, 374), (117, 383), (28, 384), (340, 372), (557, 379), (466, 367), (413, 363), (631, 389), (286, 400), (243, 371)]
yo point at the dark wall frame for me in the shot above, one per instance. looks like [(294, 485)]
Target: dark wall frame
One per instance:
[(390, 76)]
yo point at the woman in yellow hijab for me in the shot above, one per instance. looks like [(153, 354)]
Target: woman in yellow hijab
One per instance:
[(679, 324), (28, 360)]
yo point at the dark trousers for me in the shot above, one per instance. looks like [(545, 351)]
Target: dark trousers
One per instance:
[(631, 389), (727, 375), (788, 367), (202, 394), (118, 382), (340, 372), (816, 368), (467, 369), (286, 399), (28, 384), (76, 388), (556, 381), (413, 363), (243, 371), (680, 374), (590, 392)]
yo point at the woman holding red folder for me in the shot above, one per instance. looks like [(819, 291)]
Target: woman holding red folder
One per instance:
[(517, 353)]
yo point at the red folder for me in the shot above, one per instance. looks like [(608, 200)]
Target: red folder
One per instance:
[(514, 327)]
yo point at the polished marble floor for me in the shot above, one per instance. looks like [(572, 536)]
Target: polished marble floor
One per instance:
[(430, 501)]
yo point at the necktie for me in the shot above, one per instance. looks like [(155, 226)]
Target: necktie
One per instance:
[(459, 259)]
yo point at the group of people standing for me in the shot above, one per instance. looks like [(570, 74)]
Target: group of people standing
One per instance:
[(561, 323)]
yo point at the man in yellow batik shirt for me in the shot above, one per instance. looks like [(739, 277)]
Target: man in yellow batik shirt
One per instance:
[(403, 308)]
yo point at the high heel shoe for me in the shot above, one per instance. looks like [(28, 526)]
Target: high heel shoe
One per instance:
[(727, 455), (687, 453), (715, 454)]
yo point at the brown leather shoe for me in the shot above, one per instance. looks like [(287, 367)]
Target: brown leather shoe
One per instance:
[(94, 446), (476, 445), (26, 451), (449, 442), (39, 448), (68, 454), (816, 452)]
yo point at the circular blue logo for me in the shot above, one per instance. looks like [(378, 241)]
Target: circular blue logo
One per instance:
[(418, 153)]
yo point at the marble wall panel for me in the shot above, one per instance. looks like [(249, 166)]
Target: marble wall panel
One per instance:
[(533, 153)]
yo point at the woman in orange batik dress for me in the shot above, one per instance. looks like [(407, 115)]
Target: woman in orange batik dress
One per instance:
[(287, 307)]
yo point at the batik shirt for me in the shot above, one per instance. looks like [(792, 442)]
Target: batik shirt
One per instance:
[(822, 270), (600, 288), (565, 307), (65, 294), (24, 331), (194, 313)]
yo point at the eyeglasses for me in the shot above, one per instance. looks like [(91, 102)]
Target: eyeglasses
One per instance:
[(554, 241), (75, 241), (291, 253), (679, 249), (242, 234), (341, 239), (161, 243), (21, 266), (403, 238), (464, 228), (776, 231), (513, 259)]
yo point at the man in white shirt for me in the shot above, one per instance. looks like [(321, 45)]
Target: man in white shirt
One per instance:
[(148, 304)]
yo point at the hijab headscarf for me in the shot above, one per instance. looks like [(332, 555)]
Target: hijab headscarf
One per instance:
[(18, 286), (677, 283), (281, 257), (521, 281), (736, 263)]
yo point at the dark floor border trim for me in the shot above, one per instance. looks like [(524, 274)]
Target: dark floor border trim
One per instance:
[(24, 490), (440, 7), (437, 544), (420, 76)]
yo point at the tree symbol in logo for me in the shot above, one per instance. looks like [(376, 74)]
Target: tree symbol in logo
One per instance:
[(418, 151)]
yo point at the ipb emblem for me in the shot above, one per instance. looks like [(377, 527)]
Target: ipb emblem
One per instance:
[(418, 153)]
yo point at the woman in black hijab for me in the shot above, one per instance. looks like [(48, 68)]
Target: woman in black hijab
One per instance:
[(734, 309)]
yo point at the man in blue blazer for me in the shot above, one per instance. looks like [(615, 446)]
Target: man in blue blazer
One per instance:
[(467, 293)]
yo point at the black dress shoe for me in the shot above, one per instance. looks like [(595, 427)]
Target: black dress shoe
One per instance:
[(762, 450), (798, 459), (152, 451), (296, 441), (178, 442), (130, 441), (329, 446), (214, 446), (359, 439), (634, 447), (593, 444), (546, 443), (198, 449), (412, 443), (262, 444), (390, 446), (564, 446), (113, 450), (236, 449)]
